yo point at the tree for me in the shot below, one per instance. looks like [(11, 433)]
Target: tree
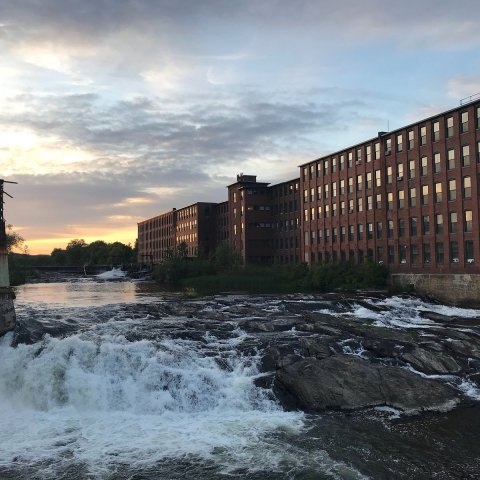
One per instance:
[(14, 239), (76, 250)]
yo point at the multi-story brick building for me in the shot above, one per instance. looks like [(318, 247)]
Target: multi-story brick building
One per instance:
[(408, 198)]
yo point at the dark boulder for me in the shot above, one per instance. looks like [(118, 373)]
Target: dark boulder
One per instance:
[(348, 382)]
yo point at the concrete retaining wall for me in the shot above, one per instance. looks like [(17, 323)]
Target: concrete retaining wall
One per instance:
[(456, 289), (7, 310)]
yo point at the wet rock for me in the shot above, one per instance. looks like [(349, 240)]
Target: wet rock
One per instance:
[(436, 317), (347, 382), (318, 347), (431, 362)]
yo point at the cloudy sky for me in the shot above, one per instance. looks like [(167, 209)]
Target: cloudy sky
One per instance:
[(112, 111)]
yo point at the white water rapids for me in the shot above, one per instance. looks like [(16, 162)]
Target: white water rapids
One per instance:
[(121, 389)]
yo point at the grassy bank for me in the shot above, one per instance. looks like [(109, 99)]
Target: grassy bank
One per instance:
[(208, 276)]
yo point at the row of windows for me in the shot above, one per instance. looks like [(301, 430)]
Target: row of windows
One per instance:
[(365, 181), (358, 204), (415, 226), (405, 254)]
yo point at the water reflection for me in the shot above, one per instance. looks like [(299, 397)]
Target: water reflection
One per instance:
[(86, 293)]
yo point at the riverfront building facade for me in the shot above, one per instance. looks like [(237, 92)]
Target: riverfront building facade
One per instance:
[(408, 198)]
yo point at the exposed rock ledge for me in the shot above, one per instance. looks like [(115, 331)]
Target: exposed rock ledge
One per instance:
[(348, 382)]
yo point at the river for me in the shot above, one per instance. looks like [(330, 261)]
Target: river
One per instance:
[(119, 380)]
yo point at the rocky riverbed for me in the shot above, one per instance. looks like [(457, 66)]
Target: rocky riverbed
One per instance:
[(120, 380)]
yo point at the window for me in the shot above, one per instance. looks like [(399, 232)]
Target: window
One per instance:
[(437, 166), (334, 209), (423, 166), (379, 230), (464, 122), (436, 131), (378, 176), (469, 251), (351, 232), (319, 212), (438, 223), (452, 190), (379, 254), (388, 146), (312, 195), (439, 253), (359, 204), (413, 226), (478, 117), (369, 180), (312, 213), (454, 251), (377, 150), (426, 224), (327, 235), (327, 211), (399, 143), (334, 165), (414, 255), (350, 184), (426, 253), (325, 191), (334, 189), (467, 187), (369, 202), (389, 201), (390, 254), (438, 192), (342, 187), (369, 231), (402, 253), (319, 192), (341, 162), (401, 227), (378, 201), (350, 206), (360, 231), (452, 222), (359, 183), (389, 175), (342, 208), (424, 197), (358, 158), (342, 233), (467, 221), (449, 131), (334, 234), (466, 155), (411, 139), (451, 159), (399, 171), (478, 151), (325, 167), (411, 169), (319, 236), (412, 194), (305, 216), (390, 229), (401, 198), (369, 153), (423, 135), (350, 159)]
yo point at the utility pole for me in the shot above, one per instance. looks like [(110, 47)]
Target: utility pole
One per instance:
[(7, 309)]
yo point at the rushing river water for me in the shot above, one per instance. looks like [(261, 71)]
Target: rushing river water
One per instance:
[(109, 381)]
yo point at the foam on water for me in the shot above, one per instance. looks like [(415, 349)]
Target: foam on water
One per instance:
[(106, 401)]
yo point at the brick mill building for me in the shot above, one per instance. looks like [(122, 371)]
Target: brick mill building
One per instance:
[(408, 198)]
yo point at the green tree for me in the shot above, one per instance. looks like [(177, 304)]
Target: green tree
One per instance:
[(14, 239), (76, 251)]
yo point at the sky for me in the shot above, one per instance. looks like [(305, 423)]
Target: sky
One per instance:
[(114, 111)]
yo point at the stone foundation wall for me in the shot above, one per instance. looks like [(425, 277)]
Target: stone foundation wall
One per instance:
[(7, 310), (456, 289)]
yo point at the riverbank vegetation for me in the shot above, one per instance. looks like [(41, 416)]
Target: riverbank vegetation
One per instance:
[(223, 272), (77, 253)]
